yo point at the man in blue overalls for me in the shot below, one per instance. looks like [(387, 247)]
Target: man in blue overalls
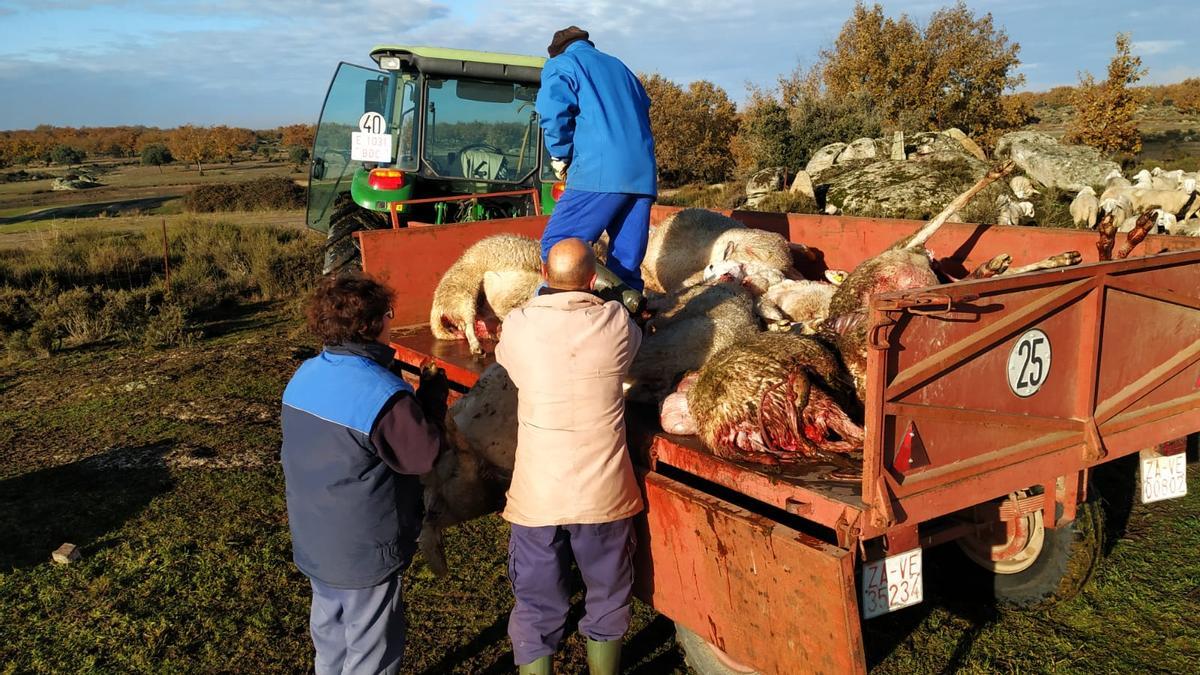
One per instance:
[(596, 120)]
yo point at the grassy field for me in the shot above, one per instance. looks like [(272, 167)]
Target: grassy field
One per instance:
[(126, 188), (162, 465)]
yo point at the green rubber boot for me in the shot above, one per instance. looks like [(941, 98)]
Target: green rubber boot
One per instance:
[(540, 666), (604, 658), (610, 287)]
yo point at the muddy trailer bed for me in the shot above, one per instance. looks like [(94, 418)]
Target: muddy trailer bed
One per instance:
[(988, 402)]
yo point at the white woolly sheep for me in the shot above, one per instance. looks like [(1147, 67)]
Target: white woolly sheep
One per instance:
[(1022, 187), (504, 270), (1013, 213), (1085, 207), (802, 302), (682, 246)]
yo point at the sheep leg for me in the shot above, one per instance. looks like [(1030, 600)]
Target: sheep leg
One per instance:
[(823, 415), (1066, 259), (1108, 236), (927, 231), (991, 268), (772, 314), (1145, 223)]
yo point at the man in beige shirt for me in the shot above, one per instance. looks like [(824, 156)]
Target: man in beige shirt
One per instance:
[(573, 491)]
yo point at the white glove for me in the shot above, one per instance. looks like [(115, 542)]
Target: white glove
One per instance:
[(560, 167)]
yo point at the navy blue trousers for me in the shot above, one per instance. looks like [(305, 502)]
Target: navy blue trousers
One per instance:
[(539, 559), (585, 215)]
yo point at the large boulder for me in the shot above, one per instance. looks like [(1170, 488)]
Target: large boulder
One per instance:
[(927, 146), (824, 158), (863, 148), (802, 184), (968, 144), (903, 189), (74, 182), (1053, 164), (763, 183)]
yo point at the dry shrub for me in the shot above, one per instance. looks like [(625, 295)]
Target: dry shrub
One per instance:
[(91, 286), (273, 192), (76, 315), (169, 327), (722, 196), (16, 309), (785, 202)]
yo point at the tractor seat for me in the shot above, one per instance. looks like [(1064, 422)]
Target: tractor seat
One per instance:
[(483, 165)]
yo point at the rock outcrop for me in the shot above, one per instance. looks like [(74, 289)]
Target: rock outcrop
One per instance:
[(1053, 164)]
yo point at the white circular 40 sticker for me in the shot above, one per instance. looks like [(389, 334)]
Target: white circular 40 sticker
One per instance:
[(1029, 363)]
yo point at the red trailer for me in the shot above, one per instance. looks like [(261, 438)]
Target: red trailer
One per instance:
[(989, 402)]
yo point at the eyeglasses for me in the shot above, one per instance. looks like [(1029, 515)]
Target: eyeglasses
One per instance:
[(391, 314)]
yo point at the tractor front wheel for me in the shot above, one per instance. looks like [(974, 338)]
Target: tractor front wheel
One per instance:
[(341, 248)]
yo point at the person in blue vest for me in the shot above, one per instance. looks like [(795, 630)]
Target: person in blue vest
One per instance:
[(595, 118), (355, 440)]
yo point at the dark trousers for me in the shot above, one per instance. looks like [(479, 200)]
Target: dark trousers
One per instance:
[(539, 559), (585, 215), (358, 630)]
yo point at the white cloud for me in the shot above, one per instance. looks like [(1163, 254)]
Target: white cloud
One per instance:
[(1152, 47)]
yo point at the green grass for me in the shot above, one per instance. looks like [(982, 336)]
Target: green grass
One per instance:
[(163, 466)]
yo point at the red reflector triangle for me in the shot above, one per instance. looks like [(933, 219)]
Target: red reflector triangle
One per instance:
[(911, 453)]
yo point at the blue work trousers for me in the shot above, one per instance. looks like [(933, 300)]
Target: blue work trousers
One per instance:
[(358, 630), (539, 560), (585, 215)]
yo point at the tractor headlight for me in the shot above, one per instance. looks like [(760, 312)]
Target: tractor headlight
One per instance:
[(389, 62)]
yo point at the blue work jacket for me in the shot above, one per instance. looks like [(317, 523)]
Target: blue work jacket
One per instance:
[(596, 114)]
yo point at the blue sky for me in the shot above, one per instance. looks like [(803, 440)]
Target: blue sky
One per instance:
[(261, 63)]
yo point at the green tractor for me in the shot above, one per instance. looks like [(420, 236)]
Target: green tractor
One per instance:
[(434, 136)]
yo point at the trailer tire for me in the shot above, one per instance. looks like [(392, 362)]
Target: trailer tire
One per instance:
[(1068, 558), (341, 248), (704, 658)]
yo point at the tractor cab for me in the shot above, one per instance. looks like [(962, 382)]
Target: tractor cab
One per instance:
[(432, 136)]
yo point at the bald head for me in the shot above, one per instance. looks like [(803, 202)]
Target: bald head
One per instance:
[(570, 266)]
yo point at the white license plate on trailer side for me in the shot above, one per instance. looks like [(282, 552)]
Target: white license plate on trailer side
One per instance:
[(892, 583), (1164, 477)]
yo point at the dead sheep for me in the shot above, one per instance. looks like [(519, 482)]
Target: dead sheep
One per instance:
[(1085, 208), (683, 245), (472, 473), (688, 327), (801, 303), (774, 398), (494, 276)]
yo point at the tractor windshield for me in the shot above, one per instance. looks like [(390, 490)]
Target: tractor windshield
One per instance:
[(486, 131)]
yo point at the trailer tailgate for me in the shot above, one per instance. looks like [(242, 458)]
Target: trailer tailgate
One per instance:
[(981, 388)]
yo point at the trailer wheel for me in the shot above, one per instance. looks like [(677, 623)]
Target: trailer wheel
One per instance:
[(1045, 566), (704, 658), (341, 248)]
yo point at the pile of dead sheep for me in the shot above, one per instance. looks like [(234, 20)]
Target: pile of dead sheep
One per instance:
[(763, 365)]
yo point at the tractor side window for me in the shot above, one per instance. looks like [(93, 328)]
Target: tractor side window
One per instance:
[(405, 125), (481, 130)]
